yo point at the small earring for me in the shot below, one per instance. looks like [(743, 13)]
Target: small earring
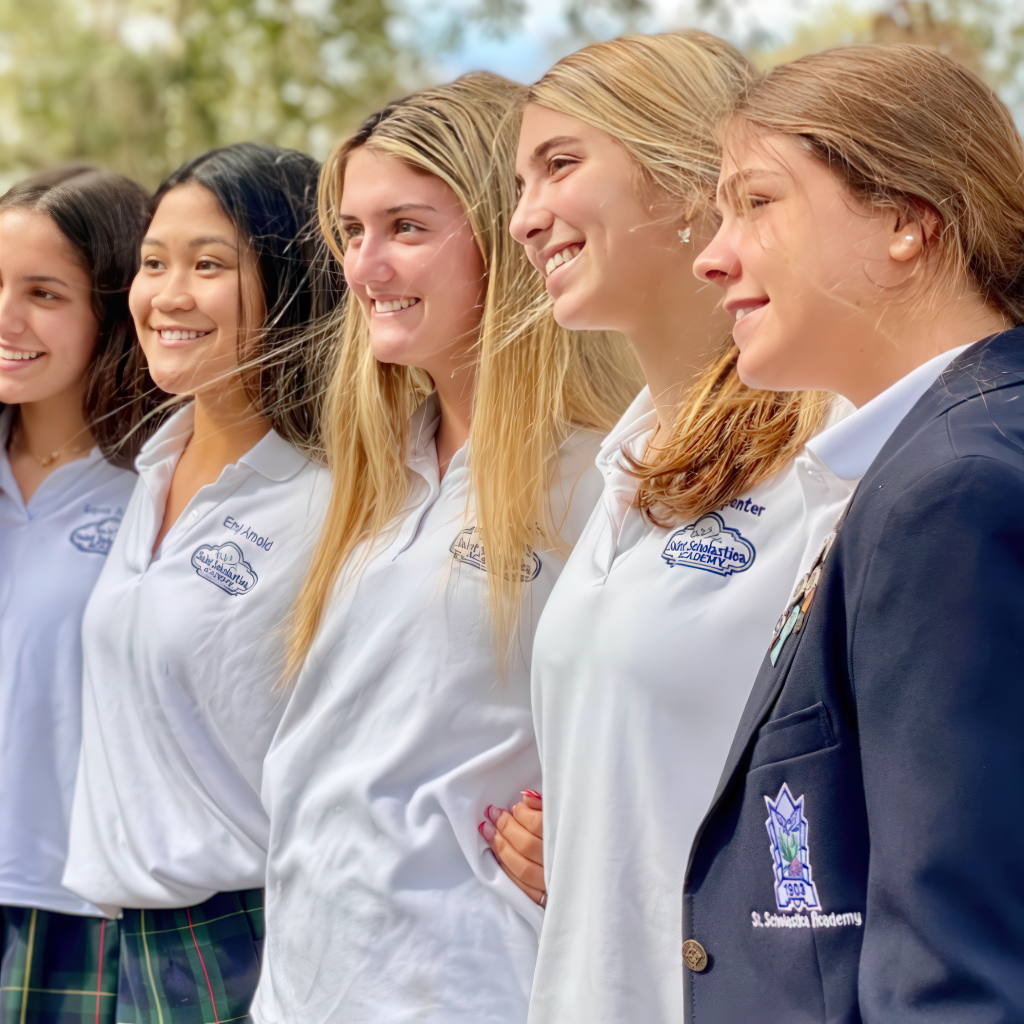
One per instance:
[(684, 235), (908, 238)]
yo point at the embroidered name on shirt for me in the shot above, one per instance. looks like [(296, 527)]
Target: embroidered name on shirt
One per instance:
[(467, 548), (225, 567), (710, 545), (248, 533), (787, 834), (96, 538), (745, 505)]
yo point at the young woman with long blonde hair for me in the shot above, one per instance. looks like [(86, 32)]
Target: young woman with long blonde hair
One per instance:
[(646, 650), (462, 429), (862, 860)]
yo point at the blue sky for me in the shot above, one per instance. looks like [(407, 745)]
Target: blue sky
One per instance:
[(543, 38)]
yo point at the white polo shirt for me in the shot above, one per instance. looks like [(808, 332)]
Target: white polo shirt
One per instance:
[(643, 661), (182, 655), (52, 548), (383, 901)]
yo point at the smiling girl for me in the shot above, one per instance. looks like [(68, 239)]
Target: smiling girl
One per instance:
[(862, 860), (182, 636), (647, 648), (462, 429), (68, 371)]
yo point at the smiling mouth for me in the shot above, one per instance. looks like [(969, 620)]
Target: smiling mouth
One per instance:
[(741, 311), (13, 353), (169, 335), (392, 305), (567, 255)]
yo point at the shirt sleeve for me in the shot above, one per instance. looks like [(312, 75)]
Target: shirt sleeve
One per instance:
[(936, 662)]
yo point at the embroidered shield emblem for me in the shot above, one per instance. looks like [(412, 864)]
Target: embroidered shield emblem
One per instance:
[(787, 832)]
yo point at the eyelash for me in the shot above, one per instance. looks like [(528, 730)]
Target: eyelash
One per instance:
[(40, 293), (559, 163), (355, 231)]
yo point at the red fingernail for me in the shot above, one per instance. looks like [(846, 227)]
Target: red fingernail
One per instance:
[(493, 813), (487, 830), (532, 792)]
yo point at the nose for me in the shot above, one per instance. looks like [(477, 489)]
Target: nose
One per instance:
[(173, 295), (718, 263), (367, 263), (531, 218), (12, 319)]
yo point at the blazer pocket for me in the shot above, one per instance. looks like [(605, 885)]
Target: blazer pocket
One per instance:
[(802, 732)]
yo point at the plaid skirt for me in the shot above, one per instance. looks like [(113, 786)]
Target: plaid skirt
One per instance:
[(196, 965), (57, 968)]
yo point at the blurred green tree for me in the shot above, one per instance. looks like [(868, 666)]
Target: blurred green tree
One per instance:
[(140, 85)]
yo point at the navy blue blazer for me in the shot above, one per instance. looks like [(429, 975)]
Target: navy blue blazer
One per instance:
[(863, 857)]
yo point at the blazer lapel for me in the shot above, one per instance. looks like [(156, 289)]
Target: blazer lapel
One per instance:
[(984, 367)]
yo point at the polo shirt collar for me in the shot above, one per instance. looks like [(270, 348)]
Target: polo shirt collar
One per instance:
[(272, 456), (849, 447)]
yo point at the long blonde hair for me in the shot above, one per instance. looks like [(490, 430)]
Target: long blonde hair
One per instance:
[(661, 97), (905, 127), (534, 381)]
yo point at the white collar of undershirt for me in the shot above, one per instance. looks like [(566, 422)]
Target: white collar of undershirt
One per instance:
[(849, 447), (272, 456)]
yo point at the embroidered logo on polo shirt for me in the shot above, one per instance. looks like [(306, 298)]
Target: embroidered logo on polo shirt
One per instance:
[(710, 545), (96, 538), (468, 548), (787, 834), (225, 567)]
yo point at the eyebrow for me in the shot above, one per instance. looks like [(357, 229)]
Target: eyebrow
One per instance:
[(45, 279), (392, 210), (195, 243), (729, 186)]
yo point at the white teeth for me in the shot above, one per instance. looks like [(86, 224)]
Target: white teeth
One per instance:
[(390, 305), (740, 314), (182, 335), (567, 254), (13, 353)]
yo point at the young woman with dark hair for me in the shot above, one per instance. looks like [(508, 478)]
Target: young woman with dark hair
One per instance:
[(182, 640), (69, 371)]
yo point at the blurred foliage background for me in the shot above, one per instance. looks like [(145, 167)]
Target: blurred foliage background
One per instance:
[(141, 85)]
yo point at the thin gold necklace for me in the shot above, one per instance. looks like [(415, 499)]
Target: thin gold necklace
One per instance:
[(45, 461)]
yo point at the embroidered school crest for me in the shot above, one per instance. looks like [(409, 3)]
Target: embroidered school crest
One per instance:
[(710, 545), (468, 548), (98, 537), (225, 567), (787, 832)]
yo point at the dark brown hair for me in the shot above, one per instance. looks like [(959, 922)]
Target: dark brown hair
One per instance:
[(270, 195), (102, 216)]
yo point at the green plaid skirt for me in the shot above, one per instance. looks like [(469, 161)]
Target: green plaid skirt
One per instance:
[(197, 965), (57, 968)]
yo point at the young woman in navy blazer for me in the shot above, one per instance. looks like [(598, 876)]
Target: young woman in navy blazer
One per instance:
[(862, 857)]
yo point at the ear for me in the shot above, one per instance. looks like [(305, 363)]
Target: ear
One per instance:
[(912, 233)]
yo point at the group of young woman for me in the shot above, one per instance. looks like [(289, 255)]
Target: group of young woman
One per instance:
[(391, 554)]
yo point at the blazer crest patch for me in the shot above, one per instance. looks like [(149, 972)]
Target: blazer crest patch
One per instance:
[(710, 545), (787, 833)]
